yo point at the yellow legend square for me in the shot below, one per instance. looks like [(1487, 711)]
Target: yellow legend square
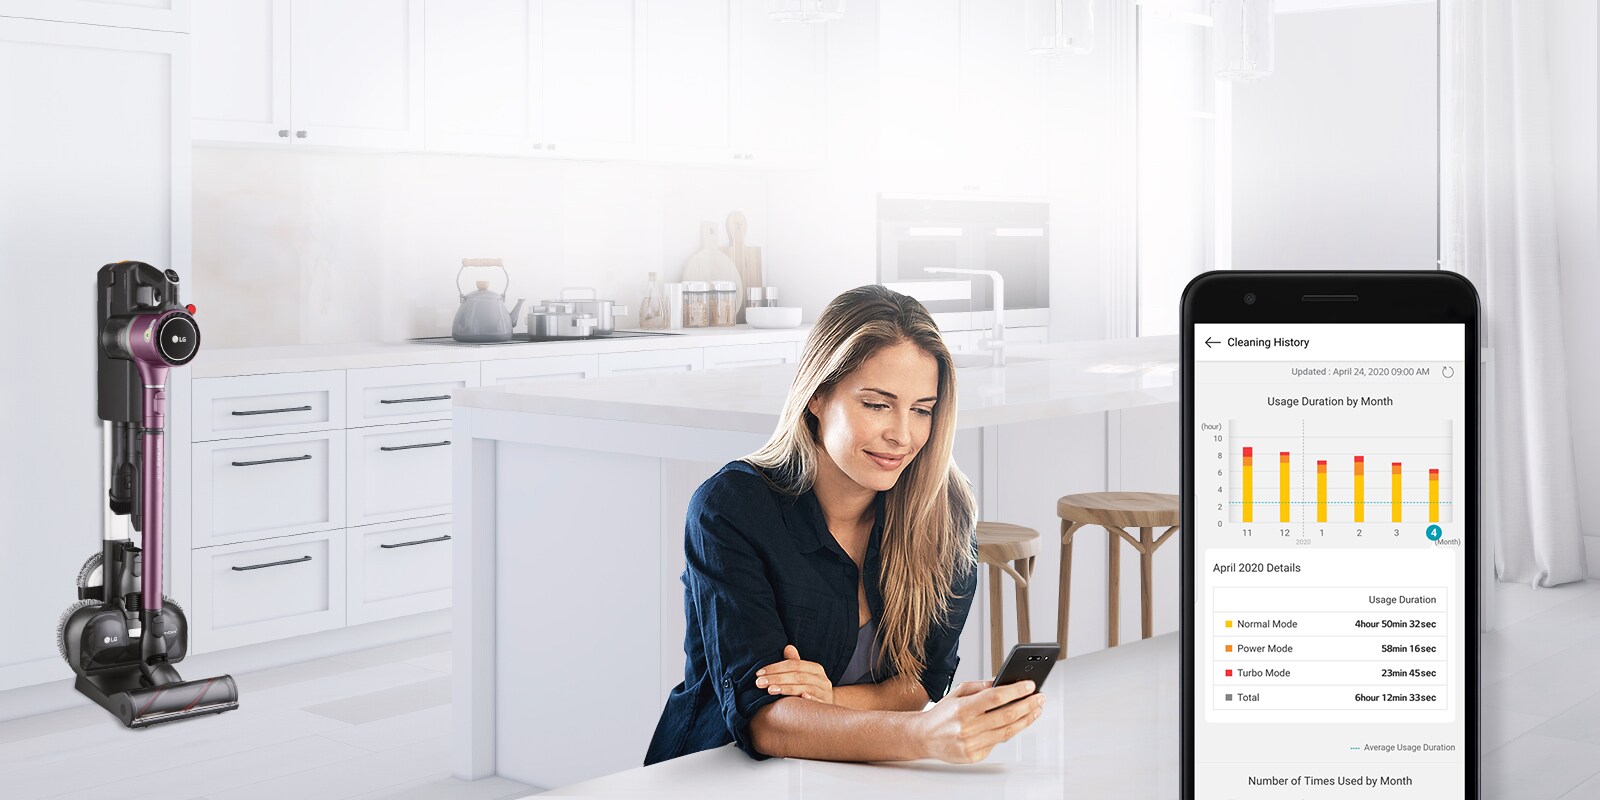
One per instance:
[(1228, 624)]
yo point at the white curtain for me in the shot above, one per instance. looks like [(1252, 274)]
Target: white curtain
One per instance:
[(1498, 225)]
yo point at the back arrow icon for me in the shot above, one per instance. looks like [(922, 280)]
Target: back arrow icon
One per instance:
[(1209, 342)]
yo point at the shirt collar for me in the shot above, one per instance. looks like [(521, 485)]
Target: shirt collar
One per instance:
[(815, 536)]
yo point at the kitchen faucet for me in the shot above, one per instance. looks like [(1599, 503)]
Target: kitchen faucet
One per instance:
[(997, 338)]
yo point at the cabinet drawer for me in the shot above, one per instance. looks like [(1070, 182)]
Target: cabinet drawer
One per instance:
[(398, 472), (398, 568), (524, 370), (683, 360), (750, 355), (388, 395), (246, 489), (260, 405), (262, 591)]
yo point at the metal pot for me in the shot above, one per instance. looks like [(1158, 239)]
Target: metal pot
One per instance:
[(559, 321), (586, 301)]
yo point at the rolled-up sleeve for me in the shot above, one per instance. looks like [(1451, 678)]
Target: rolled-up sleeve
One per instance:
[(737, 609), (940, 657)]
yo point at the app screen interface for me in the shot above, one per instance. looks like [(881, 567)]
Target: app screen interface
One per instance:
[(1330, 605)]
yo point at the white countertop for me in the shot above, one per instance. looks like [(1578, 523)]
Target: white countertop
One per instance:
[(1110, 729), (227, 362), (1039, 381)]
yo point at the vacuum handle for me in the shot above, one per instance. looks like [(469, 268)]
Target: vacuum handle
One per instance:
[(271, 461), (270, 411), (414, 446), (273, 564), (416, 399), (444, 538)]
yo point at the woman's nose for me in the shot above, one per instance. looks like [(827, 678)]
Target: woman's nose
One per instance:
[(899, 432)]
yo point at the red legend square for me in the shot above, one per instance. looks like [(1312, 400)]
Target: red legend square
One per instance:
[(1230, 673)]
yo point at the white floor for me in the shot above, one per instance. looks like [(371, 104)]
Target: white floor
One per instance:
[(374, 724), (370, 724)]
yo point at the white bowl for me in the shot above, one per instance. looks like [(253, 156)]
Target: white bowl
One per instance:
[(773, 316)]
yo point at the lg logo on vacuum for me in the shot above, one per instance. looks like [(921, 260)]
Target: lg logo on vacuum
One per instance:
[(176, 339)]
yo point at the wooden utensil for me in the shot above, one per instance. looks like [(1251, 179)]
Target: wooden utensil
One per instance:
[(746, 259)]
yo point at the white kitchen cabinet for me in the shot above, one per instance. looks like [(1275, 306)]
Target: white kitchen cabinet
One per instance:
[(751, 355), (241, 75), (94, 165), (780, 89), (264, 486), (686, 360), (398, 568), (262, 405), (154, 15), (341, 73), (523, 370), (729, 83), (689, 93), (393, 395), (562, 78), (261, 591), (397, 472), (357, 73), (961, 104)]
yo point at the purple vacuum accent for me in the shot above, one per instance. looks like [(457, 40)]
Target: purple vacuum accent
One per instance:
[(156, 343)]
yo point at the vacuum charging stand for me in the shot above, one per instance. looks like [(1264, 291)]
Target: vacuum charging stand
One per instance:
[(123, 636)]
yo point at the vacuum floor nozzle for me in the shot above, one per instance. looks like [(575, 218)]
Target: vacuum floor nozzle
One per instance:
[(151, 705)]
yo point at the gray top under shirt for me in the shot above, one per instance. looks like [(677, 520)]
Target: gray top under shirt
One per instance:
[(866, 654)]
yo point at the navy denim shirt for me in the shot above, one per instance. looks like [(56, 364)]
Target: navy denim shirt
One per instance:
[(763, 571)]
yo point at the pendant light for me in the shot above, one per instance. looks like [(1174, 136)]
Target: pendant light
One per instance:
[(1243, 31), (1059, 27), (805, 10)]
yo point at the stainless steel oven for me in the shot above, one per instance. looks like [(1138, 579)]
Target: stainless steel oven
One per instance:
[(1010, 237)]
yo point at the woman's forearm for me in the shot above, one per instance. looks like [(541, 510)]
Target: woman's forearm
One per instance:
[(795, 727), (895, 694)]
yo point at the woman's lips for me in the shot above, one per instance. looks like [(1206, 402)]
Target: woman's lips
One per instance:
[(885, 462)]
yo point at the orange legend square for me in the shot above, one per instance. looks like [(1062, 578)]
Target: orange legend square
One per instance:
[(1229, 648)]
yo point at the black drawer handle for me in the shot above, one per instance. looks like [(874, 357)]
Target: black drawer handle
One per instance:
[(271, 461), (415, 399), (444, 538), (414, 446), (271, 411), (273, 564)]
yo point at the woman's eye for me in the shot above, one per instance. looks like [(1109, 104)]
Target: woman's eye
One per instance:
[(875, 406), (926, 412)]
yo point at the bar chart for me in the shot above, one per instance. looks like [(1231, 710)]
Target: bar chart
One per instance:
[(1306, 471)]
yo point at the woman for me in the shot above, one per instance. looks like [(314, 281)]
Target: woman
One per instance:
[(829, 574)]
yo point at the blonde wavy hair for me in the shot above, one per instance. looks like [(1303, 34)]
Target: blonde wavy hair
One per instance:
[(930, 513)]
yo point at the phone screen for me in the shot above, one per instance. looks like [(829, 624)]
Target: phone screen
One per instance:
[(1331, 595)]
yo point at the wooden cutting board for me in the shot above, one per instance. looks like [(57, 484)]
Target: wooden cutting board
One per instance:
[(746, 259), (709, 263)]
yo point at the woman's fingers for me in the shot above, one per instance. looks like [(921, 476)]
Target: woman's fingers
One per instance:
[(783, 669), (1004, 716)]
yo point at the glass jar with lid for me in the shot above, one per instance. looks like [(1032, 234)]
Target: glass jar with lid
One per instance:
[(696, 304), (724, 303)]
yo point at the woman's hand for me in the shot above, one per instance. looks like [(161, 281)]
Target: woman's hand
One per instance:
[(968, 723), (791, 676)]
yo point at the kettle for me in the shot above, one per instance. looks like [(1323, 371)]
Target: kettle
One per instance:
[(482, 316)]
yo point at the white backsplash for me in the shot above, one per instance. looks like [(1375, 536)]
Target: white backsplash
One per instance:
[(322, 247)]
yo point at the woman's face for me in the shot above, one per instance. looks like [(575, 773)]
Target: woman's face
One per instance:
[(876, 420)]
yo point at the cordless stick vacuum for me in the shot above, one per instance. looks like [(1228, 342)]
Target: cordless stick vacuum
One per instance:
[(123, 635)]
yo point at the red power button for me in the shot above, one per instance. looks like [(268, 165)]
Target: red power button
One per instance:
[(189, 308)]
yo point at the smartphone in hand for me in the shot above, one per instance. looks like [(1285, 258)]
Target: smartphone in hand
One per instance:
[(1029, 662)]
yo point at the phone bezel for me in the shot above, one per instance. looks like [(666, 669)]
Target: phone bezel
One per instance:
[(1416, 296)]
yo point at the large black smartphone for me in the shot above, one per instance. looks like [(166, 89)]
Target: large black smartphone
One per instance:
[(1028, 662), (1330, 549)]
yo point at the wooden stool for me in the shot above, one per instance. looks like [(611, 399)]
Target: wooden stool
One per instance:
[(1008, 548), (1115, 511)]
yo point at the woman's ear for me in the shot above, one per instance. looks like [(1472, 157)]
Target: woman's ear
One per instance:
[(814, 405)]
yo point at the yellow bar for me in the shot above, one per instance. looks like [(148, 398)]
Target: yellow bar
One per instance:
[(1394, 493), (1249, 486), (1322, 491), (1433, 495), (1283, 487), (1361, 488)]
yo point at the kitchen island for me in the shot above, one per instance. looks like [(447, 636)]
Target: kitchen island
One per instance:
[(569, 503), (1109, 729)]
